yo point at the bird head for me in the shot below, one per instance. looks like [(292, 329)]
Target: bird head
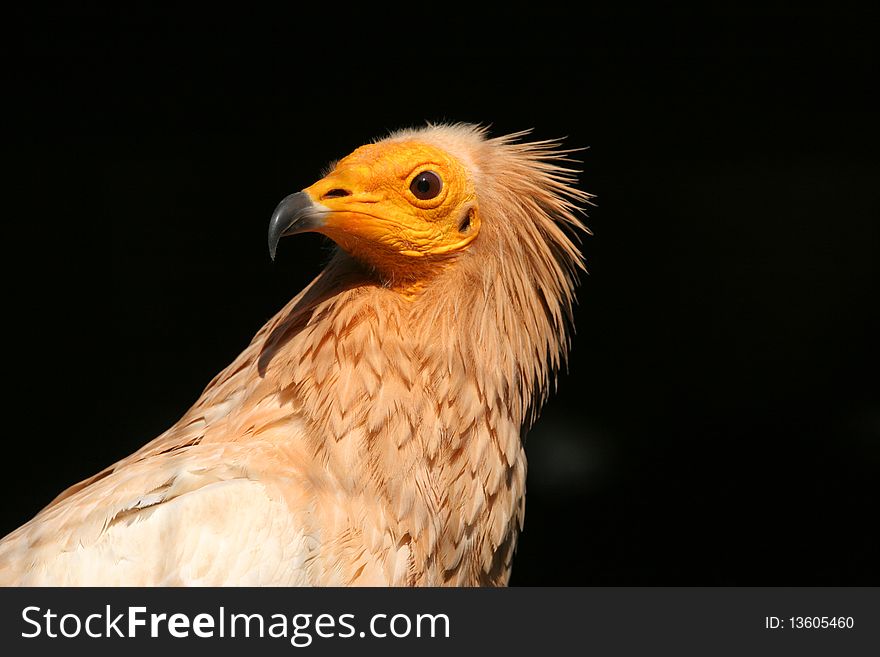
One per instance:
[(403, 207), (409, 205)]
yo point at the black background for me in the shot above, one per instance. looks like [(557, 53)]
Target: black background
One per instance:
[(720, 423)]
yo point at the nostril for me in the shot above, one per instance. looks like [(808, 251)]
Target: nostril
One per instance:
[(336, 193)]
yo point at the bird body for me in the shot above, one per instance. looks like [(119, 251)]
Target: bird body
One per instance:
[(372, 432)]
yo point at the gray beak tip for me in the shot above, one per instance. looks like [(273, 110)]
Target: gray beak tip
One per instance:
[(295, 214)]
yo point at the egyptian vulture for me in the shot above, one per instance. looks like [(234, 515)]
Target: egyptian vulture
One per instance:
[(372, 433)]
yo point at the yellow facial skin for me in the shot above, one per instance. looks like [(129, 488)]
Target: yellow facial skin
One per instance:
[(381, 222)]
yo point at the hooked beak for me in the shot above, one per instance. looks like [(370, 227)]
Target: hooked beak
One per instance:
[(295, 214)]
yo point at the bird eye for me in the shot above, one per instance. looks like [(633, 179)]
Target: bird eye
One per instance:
[(426, 185)]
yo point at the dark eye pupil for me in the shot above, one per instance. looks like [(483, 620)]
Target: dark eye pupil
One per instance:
[(426, 185)]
